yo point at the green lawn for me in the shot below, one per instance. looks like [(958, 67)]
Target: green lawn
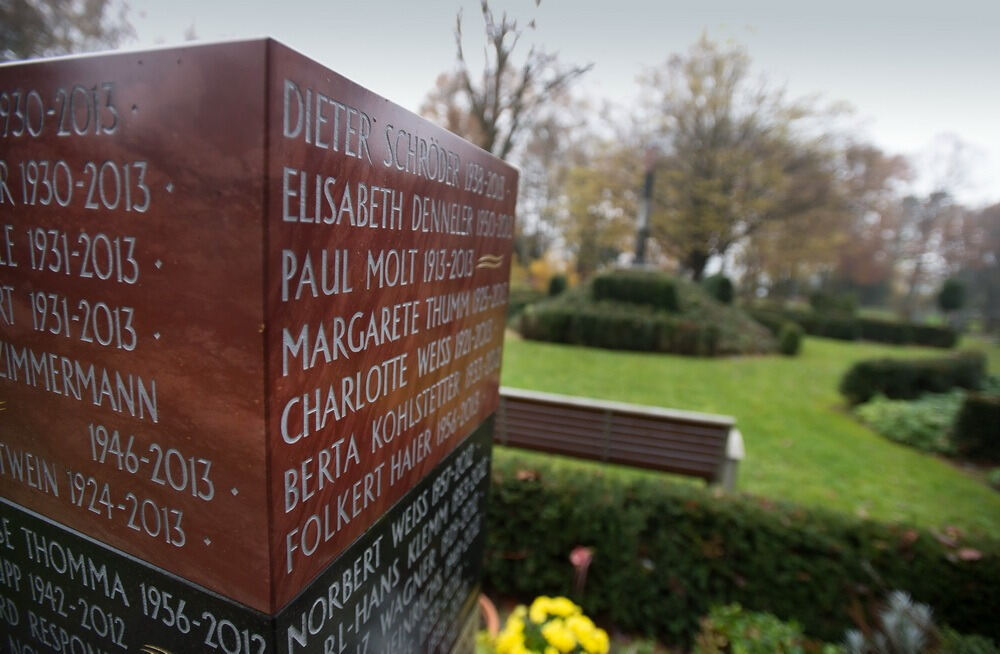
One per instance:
[(802, 444)]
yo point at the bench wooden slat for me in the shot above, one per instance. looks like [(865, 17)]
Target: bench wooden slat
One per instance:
[(666, 433), (518, 424), (681, 427), (554, 412), (672, 415), (518, 427), (693, 458), (680, 469), (649, 437), (551, 413)]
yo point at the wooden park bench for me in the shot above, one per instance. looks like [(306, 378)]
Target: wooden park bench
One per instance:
[(683, 442)]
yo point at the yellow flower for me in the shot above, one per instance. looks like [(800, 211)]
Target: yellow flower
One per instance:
[(539, 610), (597, 642), (559, 635), (507, 641), (511, 639), (592, 639), (562, 607), (563, 626)]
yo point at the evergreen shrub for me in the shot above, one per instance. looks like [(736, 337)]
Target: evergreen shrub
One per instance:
[(924, 423), (839, 304), (933, 336), (976, 433), (730, 628), (645, 311), (851, 328), (665, 553), (951, 297), (520, 297), (648, 288), (907, 379), (770, 318), (790, 339), (720, 287), (557, 284), (610, 327)]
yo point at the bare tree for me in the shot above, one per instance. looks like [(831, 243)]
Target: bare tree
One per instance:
[(38, 28), (921, 239), (494, 108), (977, 263)]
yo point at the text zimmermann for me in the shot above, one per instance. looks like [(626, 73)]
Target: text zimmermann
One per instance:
[(121, 392)]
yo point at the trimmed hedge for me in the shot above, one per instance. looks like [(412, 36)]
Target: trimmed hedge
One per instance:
[(887, 331), (907, 379), (699, 326), (976, 433), (610, 327), (841, 304), (814, 324), (520, 297), (648, 288), (664, 553), (772, 320), (850, 328)]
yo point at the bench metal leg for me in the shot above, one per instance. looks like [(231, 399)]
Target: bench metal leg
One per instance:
[(730, 466)]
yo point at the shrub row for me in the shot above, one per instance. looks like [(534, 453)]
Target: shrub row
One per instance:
[(664, 553), (907, 379), (977, 428), (649, 288), (851, 328), (520, 297), (844, 329), (888, 331), (826, 303), (609, 327)]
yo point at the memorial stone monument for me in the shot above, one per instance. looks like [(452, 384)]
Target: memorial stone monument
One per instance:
[(251, 324)]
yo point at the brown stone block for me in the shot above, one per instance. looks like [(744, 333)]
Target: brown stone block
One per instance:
[(245, 305)]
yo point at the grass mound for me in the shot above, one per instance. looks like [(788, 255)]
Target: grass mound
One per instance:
[(645, 311)]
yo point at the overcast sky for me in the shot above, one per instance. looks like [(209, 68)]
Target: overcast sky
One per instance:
[(913, 70)]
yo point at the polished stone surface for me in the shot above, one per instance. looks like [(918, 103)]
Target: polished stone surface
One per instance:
[(246, 305)]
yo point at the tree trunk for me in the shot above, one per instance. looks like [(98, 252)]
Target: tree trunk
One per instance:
[(695, 262)]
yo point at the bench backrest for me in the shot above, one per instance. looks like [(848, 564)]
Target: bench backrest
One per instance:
[(683, 442)]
